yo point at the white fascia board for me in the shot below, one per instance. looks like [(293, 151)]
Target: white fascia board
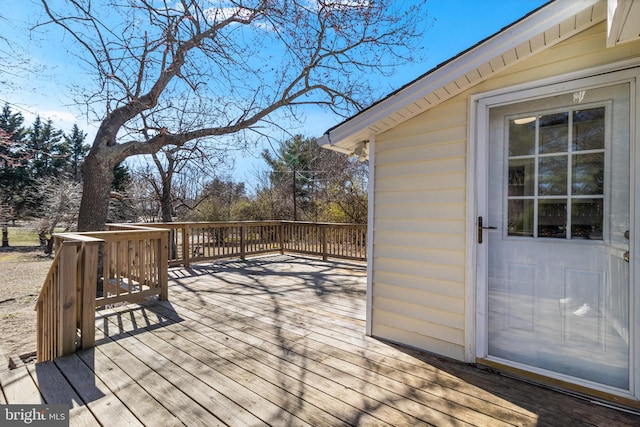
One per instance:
[(324, 142), (531, 26), (615, 20), (622, 21)]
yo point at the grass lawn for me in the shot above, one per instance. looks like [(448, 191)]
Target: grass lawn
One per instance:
[(23, 236)]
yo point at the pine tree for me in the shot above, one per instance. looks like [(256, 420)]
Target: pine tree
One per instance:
[(49, 153), (13, 173), (77, 150)]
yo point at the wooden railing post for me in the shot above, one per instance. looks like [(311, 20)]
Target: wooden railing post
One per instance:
[(67, 299), (323, 239), (243, 251), (185, 245), (281, 237), (88, 294), (163, 265)]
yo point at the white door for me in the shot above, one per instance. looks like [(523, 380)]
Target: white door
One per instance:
[(557, 287)]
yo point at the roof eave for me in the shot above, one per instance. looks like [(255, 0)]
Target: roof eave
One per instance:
[(462, 72)]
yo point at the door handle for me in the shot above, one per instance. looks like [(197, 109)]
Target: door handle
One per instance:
[(481, 227)]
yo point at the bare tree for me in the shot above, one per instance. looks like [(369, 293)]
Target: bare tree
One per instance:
[(223, 67), (177, 175), (144, 193), (59, 209), (14, 61)]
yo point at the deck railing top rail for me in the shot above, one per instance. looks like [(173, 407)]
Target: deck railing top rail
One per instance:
[(201, 241)]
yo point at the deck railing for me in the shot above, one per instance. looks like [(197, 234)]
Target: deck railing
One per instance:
[(129, 263), (201, 241), (63, 307), (95, 269)]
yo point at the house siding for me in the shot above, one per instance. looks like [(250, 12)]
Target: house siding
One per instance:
[(419, 287)]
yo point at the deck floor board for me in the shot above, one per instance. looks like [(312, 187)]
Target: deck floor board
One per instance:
[(274, 360), (361, 374), (175, 400), (280, 341)]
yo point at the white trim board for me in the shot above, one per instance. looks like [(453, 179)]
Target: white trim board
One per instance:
[(370, 234)]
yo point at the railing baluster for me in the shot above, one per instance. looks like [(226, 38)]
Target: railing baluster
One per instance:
[(185, 245)]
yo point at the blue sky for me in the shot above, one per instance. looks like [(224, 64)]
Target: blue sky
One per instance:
[(457, 25)]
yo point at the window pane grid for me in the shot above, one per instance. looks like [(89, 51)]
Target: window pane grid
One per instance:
[(555, 175)]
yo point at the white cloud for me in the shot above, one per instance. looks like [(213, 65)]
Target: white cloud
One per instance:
[(59, 116), (63, 120)]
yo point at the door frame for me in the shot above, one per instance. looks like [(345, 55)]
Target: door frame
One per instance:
[(477, 195)]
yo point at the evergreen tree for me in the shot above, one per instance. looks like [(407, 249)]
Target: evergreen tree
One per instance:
[(14, 177), (121, 177), (49, 152), (77, 150), (312, 184), (36, 159), (294, 166), (12, 123), (121, 207)]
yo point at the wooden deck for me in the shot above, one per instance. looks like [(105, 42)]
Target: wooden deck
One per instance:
[(276, 341)]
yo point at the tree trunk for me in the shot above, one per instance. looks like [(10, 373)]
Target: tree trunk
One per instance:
[(98, 179), (5, 235), (48, 250), (166, 207), (295, 204)]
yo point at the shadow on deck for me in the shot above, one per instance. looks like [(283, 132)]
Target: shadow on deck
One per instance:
[(276, 340)]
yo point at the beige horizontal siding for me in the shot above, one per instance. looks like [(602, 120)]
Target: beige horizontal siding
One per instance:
[(449, 311), (419, 255), (428, 167), (421, 269), (419, 248), (426, 182), (425, 196), (448, 115), (444, 226), (432, 330), (436, 286), (450, 149), (396, 330), (421, 210), (434, 240)]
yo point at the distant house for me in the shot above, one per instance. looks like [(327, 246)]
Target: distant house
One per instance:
[(505, 201)]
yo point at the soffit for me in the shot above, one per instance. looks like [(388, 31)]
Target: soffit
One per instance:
[(540, 30)]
